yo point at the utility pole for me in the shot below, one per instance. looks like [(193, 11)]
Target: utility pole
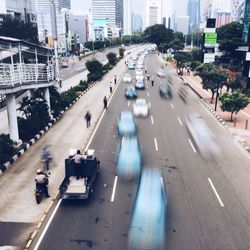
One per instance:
[(54, 34)]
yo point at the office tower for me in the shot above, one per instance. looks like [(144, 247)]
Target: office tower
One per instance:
[(193, 11), (246, 22), (137, 23), (109, 10), (167, 14), (182, 24), (235, 8), (153, 12), (24, 9), (127, 17)]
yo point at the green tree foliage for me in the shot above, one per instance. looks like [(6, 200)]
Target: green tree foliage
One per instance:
[(35, 116), (196, 54), (182, 58), (95, 70), (7, 148), (212, 77), (112, 58), (178, 42), (158, 34), (229, 37), (121, 52), (15, 27), (233, 102)]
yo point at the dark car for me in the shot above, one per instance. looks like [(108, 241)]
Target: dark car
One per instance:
[(139, 84), (165, 90), (130, 93)]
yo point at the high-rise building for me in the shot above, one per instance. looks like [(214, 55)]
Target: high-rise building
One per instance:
[(110, 10), (193, 11), (153, 12), (127, 17), (137, 23), (246, 22), (235, 9), (167, 14), (24, 9), (182, 24)]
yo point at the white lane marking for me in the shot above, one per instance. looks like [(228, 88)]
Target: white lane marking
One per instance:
[(172, 105), (114, 189), (47, 226), (179, 120), (147, 87), (152, 119), (128, 103), (148, 93), (156, 146), (149, 104), (192, 145), (216, 193)]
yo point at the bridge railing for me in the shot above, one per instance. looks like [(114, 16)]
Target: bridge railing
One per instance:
[(12, 75)]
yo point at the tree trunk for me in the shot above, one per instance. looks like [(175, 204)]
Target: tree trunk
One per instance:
[(212, 98), (231, 116)]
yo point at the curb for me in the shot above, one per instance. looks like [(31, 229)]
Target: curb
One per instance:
[(26, 146), (219, 119)]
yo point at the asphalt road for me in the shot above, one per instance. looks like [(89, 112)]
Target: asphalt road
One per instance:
[(208, 203)]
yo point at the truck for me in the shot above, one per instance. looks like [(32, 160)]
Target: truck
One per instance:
[(73, 188)]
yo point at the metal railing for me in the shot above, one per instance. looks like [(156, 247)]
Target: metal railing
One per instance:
[(12, 75)]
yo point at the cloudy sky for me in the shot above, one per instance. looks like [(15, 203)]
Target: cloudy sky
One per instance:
[(82, 6)]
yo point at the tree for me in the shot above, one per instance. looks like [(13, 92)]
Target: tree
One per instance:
[(121, 52), (233, 102), (15, 27), (112, 58), (178, 42), (95, 70), (7, 148), (182, 58), (212, 77), (158, 34), (229, 37)]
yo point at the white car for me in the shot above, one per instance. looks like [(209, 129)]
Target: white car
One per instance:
[(127, 78), (140, 108), (139, 66), (138, 72), (139, 77)]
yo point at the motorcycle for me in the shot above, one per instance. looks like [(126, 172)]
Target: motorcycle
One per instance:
[(40, 191)]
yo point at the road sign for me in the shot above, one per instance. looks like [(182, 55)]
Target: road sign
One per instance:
[(210, 38), (209, 58)]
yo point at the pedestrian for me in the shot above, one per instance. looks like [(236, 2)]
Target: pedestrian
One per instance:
[(152, 81), (148, 77), (88, 118), (105, 102), (110, 87), (115, 79), (188, 71), (46, 158), (145, 71)]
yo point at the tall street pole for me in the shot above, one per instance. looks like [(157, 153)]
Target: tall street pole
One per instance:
[(54, 34)]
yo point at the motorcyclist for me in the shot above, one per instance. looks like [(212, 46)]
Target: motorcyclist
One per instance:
[(148, 77), (41, 180)]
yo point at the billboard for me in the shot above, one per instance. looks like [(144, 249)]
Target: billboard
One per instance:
[(210, 38), (100, 22)]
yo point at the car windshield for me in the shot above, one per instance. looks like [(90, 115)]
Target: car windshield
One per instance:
[(140, 103)]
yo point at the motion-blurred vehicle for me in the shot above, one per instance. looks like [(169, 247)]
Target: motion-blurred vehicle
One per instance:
[(183, 93), (165, 90), (161, 74), (126, 124), (131, 66), (148, 223), (139, 66), (138, 72), (130, 93), (127, 78), (140, 108), (129, 159), (140, 84), (65, 64), (73, 188), (203, 137), (139, 77)]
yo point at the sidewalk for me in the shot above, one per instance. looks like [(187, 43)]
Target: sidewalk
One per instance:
[(69, 132), (240, 120)]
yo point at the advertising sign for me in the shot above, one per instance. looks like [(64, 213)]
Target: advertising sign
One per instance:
[(210, 38)]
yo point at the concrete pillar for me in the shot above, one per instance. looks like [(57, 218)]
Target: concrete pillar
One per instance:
[(46, 96), (12, 117)]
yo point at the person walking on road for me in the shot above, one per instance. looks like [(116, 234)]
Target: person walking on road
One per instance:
[(152, 81), (115, 79), (46, 158), (110, 87), (105, 102), (148, 76), (88, 118)]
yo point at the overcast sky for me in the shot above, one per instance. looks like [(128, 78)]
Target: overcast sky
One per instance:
[(82, 6)]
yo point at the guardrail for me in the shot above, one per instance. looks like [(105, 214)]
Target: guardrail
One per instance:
[(12, 75)]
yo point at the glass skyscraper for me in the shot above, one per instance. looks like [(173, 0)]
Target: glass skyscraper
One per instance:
[(193, 11), (246, 22)]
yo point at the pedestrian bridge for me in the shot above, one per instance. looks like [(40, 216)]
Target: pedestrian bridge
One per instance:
[(23, 66)]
